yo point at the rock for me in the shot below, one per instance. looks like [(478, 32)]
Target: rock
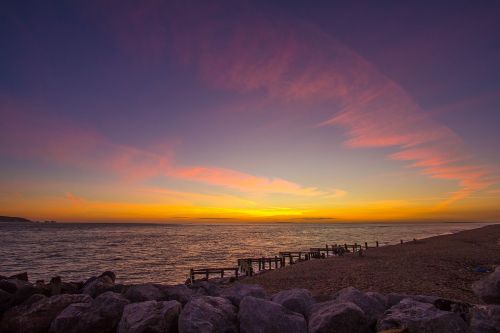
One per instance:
[(150, 317), (205, 288), (179, 293), (109, 274), (20, 276), (422, 318), (335, 317), (5, 301), (239, 291), (35, 317), (144, 292), (488, 288), (395, 298), (70, 288), (462, 309), (12, 285), (382, 299), (101, 315), (257, 315), (297, 300), (97, 286), (208, 314), (370, 305), (24, 293), (55, 285), (485, 319)]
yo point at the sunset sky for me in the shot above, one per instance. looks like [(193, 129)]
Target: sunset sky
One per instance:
[(157, 111)]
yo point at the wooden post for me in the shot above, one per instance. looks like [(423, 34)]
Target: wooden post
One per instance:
[(191, 275), (366, 246), (401, 241), (206, 274), (355, 247), (345, 246), (327, 250), (270, 263), (377, 243), (236, 273), (221, 273)]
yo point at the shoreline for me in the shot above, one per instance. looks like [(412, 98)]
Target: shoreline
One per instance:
[(438, 265)]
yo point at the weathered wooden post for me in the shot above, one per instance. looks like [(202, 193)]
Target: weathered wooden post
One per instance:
[(206, 274), (191, 275), (355, 247), (345, 244), (377, 243), (401, 241), (326, 250)]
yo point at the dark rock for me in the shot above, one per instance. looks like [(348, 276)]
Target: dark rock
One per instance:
[(208, 314), (370, 305), (335, 317), (12, 285), (144, 292), (422, 318), (297, 300), (55, 285), (20, 276), (382, 299), (35, 317), (109, 274), (150, 317), (485, 319), (257, 315), (180, 293), (239, 291), (206, 288), (70, 288), (97, 286), (460, 308), (101, 315), (5, 301), (24, 293), (33, 299), (488, 288)]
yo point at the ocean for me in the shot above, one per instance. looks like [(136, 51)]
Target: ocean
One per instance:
[(164, 253)]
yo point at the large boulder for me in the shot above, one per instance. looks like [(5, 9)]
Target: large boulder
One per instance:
[(208, 314), (96, 286), (5, 301), (180, 293), (257, 315), (35, 316), (371, 306), (101, 315), (335, 317), (422, 318), (297, 300), (144, 292), (20, 276), (13, 285), (205, 288), (488, 288), (485, 319), (395, 298), (239, 291), (150, 317), (381, 298)]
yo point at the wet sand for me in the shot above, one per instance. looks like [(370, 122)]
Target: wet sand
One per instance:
[(441, 266)]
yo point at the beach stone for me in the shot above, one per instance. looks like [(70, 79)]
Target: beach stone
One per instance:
[(208, 314), (297, 300), (109, 274), (205, 288), (144, 292), (180, 293), (485, 319), (381, 298), (335, 317), (422, 318), (370, 305), (488, 288), (36, 316), (150, 317), (239, 291), (257, 315), (20, 276), (101, 315), (96, 286)]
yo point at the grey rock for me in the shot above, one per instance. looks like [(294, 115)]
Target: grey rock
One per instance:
[(297, 300), (422, 318), (488, 288), (101, 315), (485, 319), (97, 286), (335, 317), (36, 316), (109, 274), (179, 293), (371, 306), (381, 298), (144, 292), (464, 310), (150, 317), (206, 288), (257, 315), (208, 314), (239, 291)]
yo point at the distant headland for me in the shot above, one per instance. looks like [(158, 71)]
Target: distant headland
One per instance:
[(16, 219)]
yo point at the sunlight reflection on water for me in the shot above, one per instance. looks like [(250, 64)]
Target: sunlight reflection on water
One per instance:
[(165, 253)]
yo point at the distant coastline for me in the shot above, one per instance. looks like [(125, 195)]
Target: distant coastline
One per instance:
[(16, 219)]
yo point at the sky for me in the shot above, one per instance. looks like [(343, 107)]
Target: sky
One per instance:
[(324, 111)]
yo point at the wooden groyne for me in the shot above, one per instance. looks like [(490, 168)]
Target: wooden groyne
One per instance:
[(251, 266)]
